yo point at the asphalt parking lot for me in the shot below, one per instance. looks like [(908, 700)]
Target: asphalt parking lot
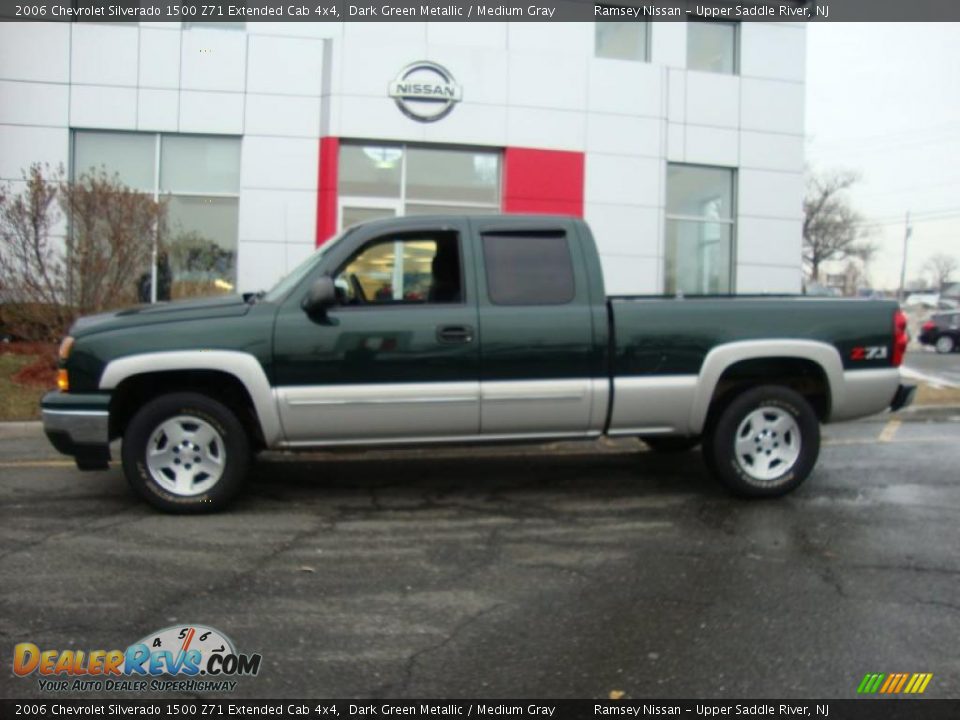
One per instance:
[(565, 571), (940, 369)]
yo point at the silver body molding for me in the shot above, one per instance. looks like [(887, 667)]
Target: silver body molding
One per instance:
[(411, 413), (678, 404), (543, 406), (83, 427), (336, 413), (319, 415), (866, 392), (243, 366), (723, 356), (652, 405), (437, 439)]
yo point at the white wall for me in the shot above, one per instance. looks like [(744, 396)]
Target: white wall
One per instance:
[(282, 86)]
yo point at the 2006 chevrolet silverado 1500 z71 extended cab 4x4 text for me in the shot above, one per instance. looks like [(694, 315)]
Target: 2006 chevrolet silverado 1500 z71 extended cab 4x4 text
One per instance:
[(423, 330)]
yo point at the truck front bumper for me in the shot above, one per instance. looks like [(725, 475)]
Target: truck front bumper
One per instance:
[(903, 397), (79, 425)]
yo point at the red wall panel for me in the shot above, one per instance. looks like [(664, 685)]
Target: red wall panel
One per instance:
[(543, 181), (534, 181), (327, 189)]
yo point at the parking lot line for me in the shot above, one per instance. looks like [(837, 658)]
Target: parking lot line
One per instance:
[(889, 431)]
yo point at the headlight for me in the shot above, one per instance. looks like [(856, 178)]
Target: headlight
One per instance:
[(65, 347)]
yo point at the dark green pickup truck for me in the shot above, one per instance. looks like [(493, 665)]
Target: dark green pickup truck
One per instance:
[(465, 329)]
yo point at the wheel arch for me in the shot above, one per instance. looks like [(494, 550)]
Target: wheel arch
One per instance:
[(813, 369), (238, 377)]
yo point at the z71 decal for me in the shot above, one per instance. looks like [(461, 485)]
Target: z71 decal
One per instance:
[(870, 352)]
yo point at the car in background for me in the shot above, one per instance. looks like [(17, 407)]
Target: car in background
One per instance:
[(942, 331), (922, 300)]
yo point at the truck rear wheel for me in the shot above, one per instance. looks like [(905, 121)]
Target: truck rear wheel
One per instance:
[(764, 443), (185, 453)]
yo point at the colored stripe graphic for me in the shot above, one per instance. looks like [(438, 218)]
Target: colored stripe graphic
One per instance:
[(891, 679), (894, 683)]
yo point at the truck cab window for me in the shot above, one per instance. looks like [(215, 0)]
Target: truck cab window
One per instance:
[(403, 270), (528, 269)]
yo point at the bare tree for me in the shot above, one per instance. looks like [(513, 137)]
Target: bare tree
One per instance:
[(110, 242), (832, 229), (941, 268), (32, 264), (49, 279)]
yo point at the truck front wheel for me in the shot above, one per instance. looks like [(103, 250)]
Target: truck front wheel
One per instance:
[(764, 443), (185, 453)]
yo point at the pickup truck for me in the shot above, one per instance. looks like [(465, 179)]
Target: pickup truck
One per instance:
[(465, 329)]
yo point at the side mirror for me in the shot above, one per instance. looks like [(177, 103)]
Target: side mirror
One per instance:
[(321, 295)]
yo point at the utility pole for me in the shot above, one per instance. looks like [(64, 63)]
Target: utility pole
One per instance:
[(903, 268)]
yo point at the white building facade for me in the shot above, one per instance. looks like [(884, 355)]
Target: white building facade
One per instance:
[(680, 143)]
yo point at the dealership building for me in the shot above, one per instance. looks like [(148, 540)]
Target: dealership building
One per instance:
[(681, 143)]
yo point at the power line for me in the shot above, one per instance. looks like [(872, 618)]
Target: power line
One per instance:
[(928, 186), (927, 216)]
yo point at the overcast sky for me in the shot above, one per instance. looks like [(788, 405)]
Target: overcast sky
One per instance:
[(884, 99)]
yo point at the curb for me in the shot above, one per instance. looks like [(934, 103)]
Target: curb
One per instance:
[(21, 428), (929, 413)]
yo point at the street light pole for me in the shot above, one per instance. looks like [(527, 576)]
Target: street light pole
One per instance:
[(903, 267)]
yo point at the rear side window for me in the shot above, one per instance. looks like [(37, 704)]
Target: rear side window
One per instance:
[(528, 269)]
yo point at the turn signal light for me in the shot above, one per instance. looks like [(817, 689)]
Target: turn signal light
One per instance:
[(900, 337), (63, 382)]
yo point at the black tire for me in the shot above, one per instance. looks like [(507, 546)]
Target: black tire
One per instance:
[(669, 445), (945, 344), (234, 457), (743, 473)]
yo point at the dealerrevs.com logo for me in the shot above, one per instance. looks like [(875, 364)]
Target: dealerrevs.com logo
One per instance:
[(180, 658)]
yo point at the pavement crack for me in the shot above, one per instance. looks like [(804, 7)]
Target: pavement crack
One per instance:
[(411, 663), (938, 603), (72, 532), (237, 579)]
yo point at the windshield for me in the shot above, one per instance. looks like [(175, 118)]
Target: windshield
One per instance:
[(292, 278)]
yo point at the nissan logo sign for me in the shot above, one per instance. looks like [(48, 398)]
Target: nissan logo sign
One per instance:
[(425, 91)]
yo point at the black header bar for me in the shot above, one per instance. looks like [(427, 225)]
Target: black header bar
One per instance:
[(219, 11), (863, 709)]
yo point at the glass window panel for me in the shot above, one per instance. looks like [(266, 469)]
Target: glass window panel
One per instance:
[(199, 164), (403, 270), (528, 269), (454, 175), (354, 215), (370, 170), (132, 156), (698, 257), (427, 209), (711, 46), (621, 40), (202, 245), (700, 191)]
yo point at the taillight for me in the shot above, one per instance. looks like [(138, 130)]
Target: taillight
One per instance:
[(928, 326), (900, 337)]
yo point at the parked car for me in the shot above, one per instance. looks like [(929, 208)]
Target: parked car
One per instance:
[(942, 331), (512, 339)]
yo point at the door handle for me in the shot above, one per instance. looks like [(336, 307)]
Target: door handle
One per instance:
[(455, 333)]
